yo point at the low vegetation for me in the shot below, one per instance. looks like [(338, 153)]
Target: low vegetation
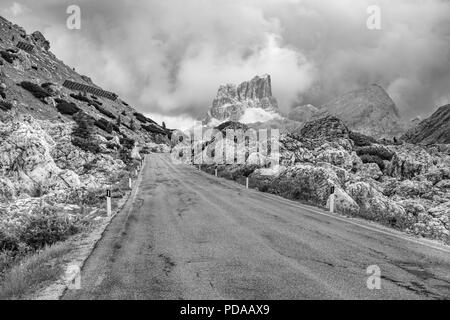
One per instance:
[(102, 110), (68, 108), (33, 271), (105, 125), (80, 97), (36, 90), (8, 57), (82, 134), (5, 105)]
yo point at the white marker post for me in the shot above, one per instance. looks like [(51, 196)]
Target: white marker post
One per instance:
[(215, 172), (246, 183), (129, 183), (108, 202), (332, 200)]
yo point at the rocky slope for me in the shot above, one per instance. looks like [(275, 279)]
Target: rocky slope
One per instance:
[(404, 186), (232, 102), (31, 82), (60, 148), (433, 130), (369, 111)]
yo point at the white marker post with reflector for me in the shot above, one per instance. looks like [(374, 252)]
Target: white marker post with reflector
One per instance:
[(332, 199), (108, 202), (246, 182)]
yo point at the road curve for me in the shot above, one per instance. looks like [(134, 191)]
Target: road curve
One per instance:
[(189, 235)]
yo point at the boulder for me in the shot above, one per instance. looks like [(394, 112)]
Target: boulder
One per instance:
[(40, 40), (370, 170), (343, 203), (306, 182), (377, 207), (435, 223), (7, 190), (410, 161)]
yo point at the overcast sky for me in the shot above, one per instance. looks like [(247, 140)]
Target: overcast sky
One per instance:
[(168, 57)]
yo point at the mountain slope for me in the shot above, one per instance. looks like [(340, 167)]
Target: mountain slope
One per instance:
[(435, 129), (44, 76), (369, 111)]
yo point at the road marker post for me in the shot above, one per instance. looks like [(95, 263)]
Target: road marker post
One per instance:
[(332, 199), (215, 172), (246, 182), (108, 202), (129, 183)]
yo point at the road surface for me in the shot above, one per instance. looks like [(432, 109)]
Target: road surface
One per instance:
[(189, 235)]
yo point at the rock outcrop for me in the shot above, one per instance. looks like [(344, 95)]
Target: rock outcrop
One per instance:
[(369, 111), (404, 186), (231, 101), (433, 130)]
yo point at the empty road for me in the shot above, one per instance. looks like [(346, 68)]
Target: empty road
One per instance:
[(189, 235)]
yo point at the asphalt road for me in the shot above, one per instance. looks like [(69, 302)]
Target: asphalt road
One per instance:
[(189, 235)]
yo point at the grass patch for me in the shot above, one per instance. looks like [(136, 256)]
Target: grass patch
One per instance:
[(34, 271)]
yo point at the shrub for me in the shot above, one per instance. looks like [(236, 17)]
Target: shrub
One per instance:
[(361, 140), (141, 117), (6, 105), (65, 107), (80, 97), (9, 57), (35, 90), (47, 84), (376, 150), (103, 110), (47, 227), (82, 134), (125, 151), (104, 125), (367, 158)]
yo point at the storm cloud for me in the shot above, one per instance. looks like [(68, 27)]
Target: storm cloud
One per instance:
[(168, 57)]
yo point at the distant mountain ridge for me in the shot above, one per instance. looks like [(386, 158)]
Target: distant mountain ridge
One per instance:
[(369, 111), (435, 129)]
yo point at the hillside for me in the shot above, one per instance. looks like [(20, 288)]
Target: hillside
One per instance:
[(64, 141), (36, 64), (435, 129)]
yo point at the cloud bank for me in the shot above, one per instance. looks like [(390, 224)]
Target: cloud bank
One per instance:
[(169, 57)]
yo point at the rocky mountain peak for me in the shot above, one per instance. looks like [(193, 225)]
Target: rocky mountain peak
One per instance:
[(231, 101)]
